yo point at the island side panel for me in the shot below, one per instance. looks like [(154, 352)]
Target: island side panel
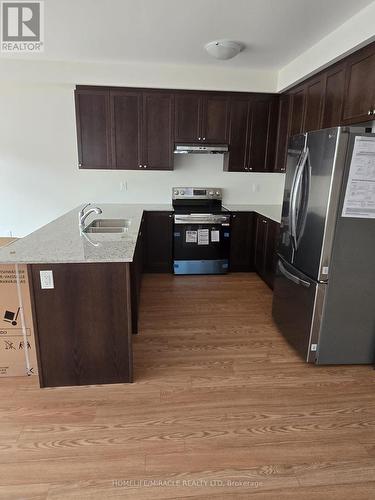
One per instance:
[(83, 325)]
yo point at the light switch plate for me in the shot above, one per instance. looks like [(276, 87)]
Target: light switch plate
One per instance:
[(46, 280)]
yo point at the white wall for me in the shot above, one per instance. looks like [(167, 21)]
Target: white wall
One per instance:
[(40, 179), (354, 33)]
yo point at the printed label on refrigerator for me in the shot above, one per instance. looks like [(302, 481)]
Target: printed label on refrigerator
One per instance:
[(359, 199)]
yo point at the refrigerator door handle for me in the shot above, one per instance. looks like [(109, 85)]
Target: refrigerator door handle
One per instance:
[(290, 215), (292, 277), (298, 177)]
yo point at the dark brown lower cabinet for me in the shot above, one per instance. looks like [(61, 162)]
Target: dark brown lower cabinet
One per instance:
[(83, 325), (266, 233), (241, 242), (157, 242), (136, 271)]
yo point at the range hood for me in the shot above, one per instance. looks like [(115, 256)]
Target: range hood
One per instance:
[(201, 148)]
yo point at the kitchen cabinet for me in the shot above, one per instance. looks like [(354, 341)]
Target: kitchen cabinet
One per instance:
[(188, 117), (334, 95), (84, 336), (263, 130), (201, 117), (136, 271), (236, 159), (93, 129), (241, 242), (252, 136), (282, 133), (157, 242), (359, 104), (314, 97), (126, 114), (297, 97), (157, 131), (125, 129), (265, 240)]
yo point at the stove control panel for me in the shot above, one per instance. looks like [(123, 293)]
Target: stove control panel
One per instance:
[(196, 193)]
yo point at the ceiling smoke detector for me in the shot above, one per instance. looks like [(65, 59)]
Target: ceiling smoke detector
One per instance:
[(223, 49)]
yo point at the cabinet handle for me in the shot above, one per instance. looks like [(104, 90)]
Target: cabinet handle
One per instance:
[(80, 164), (373, 112), (140, 166), (369, 112), (250, 168), (234, 216), (144, 166), (204, 139), (199, 139), (264, 221)]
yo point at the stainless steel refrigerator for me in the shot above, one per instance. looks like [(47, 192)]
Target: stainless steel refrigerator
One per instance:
[(324, 291)]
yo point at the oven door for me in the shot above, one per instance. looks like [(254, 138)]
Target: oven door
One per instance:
[(201, 244)]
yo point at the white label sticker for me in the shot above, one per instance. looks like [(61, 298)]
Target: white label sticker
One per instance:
[(314, 347), (46, 280), (215, 235), (203, 236), (325, 270), (360, 191), (191, 236)]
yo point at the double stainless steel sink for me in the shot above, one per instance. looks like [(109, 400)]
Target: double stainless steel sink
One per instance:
[(108, 226)]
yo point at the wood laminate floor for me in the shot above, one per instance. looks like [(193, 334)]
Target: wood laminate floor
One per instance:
[(221, 407)]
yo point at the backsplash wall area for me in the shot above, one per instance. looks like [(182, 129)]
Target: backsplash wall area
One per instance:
[(40, 179)]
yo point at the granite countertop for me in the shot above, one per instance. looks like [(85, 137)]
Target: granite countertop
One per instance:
[(273, 212), (60, 241)]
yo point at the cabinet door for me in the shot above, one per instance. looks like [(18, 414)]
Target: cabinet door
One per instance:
[(260, 244), (262, 138), (236, 160), (282, 133), (314, 94), (158, 242), (298, 111), (241, 242), (360, 83), (215, 120), (270, 260), (334, 96), (93, 128), (188, 117), (126, 111), (157, 131)]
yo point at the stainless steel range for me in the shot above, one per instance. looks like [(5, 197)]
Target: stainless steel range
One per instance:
[(201, 233)]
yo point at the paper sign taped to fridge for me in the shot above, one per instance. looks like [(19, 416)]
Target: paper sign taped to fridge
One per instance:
[(360, 190), (191, 236), (203, 236), (215, 236)]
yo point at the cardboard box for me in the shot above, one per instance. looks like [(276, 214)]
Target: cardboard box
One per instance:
[(17, 344)]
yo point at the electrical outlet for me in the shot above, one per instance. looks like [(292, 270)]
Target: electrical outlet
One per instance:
[(46, 280)]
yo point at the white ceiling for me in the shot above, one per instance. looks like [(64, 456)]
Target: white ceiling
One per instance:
[(174, 31)]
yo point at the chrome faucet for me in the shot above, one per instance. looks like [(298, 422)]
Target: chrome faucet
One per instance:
[(82, 215)]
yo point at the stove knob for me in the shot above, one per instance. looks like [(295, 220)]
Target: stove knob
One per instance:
[(211, 193), (217, 193), (182, 192), (176, 192)]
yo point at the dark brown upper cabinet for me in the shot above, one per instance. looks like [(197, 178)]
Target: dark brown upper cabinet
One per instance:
[(236, 160), (93, 129), (298, 101), (157, 131), (125, 128), (252, 134), (126, 112), (201, 117), (314, 96), (188, 116), (263, 131), (282, 133), (334, 95), (359, 105)]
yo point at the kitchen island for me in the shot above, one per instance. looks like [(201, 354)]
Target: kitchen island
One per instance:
[(85, 306)]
